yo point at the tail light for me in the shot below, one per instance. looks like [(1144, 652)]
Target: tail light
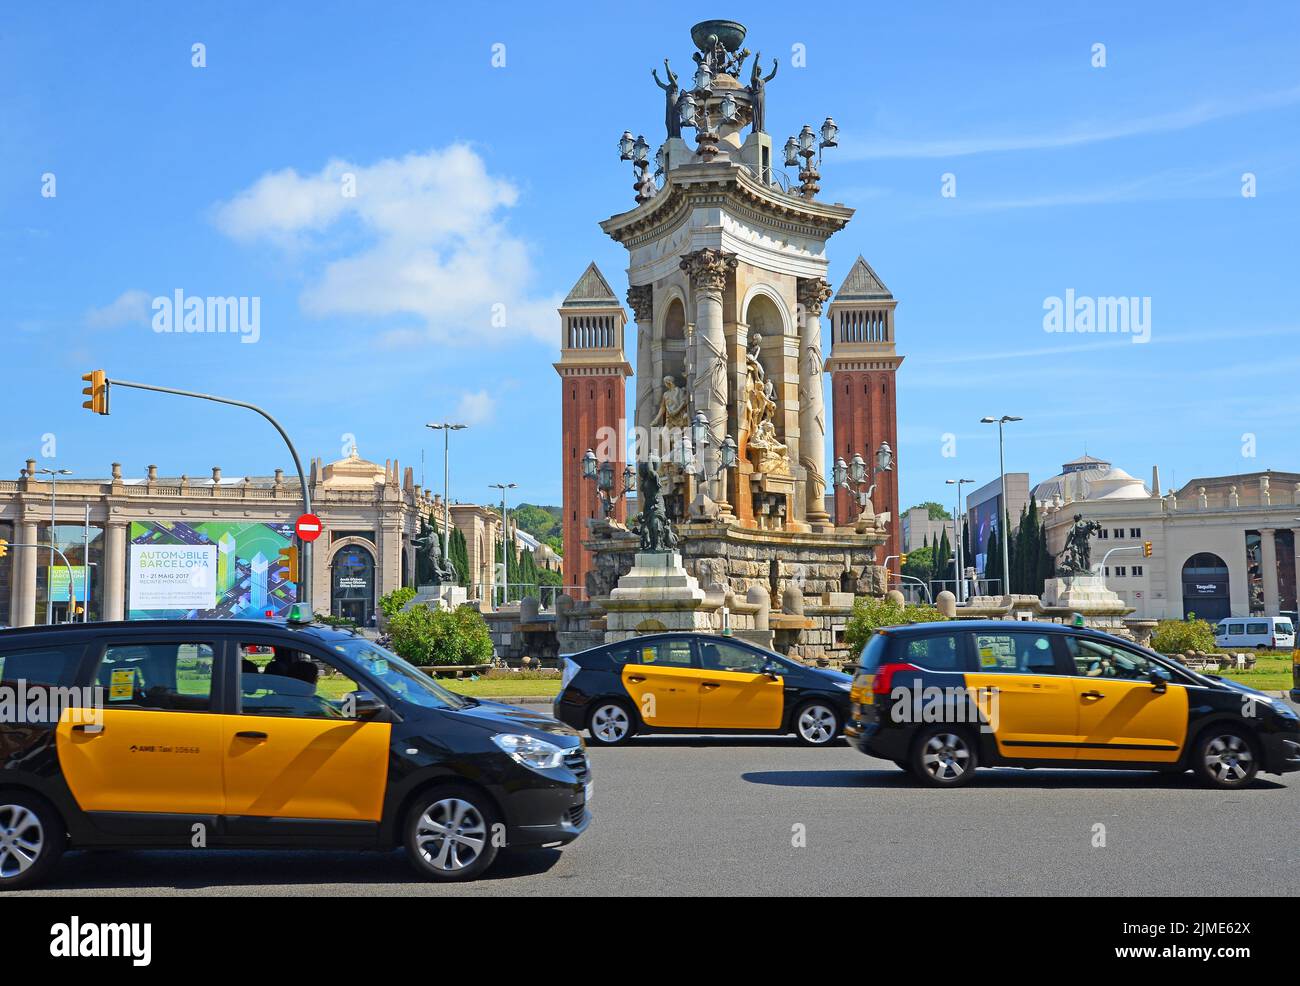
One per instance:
[(884, 682), (569, 672)]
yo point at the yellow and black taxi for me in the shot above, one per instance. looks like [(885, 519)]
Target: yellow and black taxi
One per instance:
[(249, 734), (941, 699), (698, 683)]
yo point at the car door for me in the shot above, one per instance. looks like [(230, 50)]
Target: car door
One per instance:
[(1123, 717), (292, 750), (734, 691), (1028, 700), (157, 748), (665, 682)]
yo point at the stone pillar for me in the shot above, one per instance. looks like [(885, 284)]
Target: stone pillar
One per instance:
[(1268, 571), (813, 293), (114, 574), (25, 615), (708, 270), (640, 298)]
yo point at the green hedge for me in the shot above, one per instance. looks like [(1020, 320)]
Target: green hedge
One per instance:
[(870, 614), (1180, 636), (428, 637)]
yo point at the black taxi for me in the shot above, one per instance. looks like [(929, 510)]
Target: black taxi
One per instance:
[(250, 734), (941, 699), (698, 683)]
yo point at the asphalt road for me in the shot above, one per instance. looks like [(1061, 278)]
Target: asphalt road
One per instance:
[(686, 815)]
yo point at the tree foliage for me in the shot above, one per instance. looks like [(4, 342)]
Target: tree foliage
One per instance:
[(391, 604), (936, 511), (1180, 636), (871, 613), (428, 637)]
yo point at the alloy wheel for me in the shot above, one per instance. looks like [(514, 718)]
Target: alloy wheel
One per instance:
[(1228, 759), (945, 757), (817, 724), (451, 834), (22, 840), (610, 723)]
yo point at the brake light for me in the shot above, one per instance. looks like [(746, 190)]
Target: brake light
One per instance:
[(884, 681), (569, 671)]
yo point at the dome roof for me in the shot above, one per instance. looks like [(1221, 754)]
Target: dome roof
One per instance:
[(1098, 482)]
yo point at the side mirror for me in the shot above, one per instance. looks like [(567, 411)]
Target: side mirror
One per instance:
[(772, 671), (1158, 683), (364, 705)]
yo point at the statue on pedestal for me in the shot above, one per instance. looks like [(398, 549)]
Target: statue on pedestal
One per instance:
[(765, 449), (757, 95), (657, 534), (672, 120), (1076, 556), (673, 417), (431, 553)]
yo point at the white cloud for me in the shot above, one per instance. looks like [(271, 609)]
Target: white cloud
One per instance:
[(423, 237), (128, 308), (476, 408)]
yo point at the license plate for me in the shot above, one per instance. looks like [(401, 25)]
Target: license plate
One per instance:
[(587, 793)]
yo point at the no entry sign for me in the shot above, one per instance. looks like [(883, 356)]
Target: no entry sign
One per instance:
[(308, 527)]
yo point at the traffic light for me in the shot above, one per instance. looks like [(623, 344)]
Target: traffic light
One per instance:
[(97, 392), (288, 563), (1146, 549), (902, 560), (4, 547)]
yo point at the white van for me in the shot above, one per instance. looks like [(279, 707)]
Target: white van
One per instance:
[(1260, 632)]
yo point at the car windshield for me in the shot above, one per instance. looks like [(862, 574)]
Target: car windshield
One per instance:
[(404, 680), (1284, 629)]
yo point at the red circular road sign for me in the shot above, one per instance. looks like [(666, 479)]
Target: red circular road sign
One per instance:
[(308, 527)]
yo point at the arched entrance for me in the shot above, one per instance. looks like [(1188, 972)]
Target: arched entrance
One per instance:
[(352, 584), (1205, 587)]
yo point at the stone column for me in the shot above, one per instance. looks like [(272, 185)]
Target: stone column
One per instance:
[(1268, 570), (640, 298), (708, 270), (813, 293), (25, 615), (115, 570)]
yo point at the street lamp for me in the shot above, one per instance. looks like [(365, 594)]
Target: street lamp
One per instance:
[(446, 427), (637, 151), (54, 475), (958, 518), (852, 475), (1002, 473), (602, 474), (806, 145), (505, 537)]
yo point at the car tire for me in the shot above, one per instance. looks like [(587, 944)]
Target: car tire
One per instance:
[(451, 833), (943, 756), (611, 722), (32, 838), (1226, 756), (816, 723)]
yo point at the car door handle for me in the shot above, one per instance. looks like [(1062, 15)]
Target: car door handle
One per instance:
[(88, 727), (251, 734), (1093, 695), (636, 678), (710, 684)]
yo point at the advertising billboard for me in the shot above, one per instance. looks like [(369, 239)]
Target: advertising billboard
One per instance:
[(208, 570), (984, 519), (58, 583)]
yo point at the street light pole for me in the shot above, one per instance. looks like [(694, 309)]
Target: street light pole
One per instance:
[(505, 538), (957, 525), (54, 475), (446, 428), (1006, 513)]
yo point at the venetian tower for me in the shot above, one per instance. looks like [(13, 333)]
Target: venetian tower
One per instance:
[(593, 372), (863, 365), (727, 282)]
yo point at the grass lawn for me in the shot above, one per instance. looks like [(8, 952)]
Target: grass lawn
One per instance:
[(497, 687), (1272, 673)]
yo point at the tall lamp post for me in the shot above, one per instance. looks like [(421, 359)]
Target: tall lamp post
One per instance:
[(1002, 482), (956, 536), (54, 475), (602, 474), (446, 427), (505, 537)]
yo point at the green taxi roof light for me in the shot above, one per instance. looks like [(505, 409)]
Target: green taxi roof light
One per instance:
[(299, 613)]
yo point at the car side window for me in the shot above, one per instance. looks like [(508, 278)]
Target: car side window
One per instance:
[(673, 653), (40, 665), (716, 656), (169, 677), (622, 654), (1015, 652), (1095, 659), (941, 652), (275, 680), (1236, 628), (1257, 628)]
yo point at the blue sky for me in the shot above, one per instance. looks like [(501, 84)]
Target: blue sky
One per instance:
[(481, 185)]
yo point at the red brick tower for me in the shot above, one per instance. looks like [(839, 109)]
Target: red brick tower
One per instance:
[(593, 372), (863, 364)]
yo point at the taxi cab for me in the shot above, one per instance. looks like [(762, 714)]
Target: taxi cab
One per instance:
[(250, 734), (941, 699), (698, 683)]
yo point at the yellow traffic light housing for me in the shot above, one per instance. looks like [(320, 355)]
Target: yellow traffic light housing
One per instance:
[(1146, 549), (902, 560), (97, 391), (288, 563), (4, 547)]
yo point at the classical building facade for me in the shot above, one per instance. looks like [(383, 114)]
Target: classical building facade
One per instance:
[(371, 513)]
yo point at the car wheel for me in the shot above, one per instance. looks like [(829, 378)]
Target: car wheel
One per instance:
[(610, 722), (816, 723), (451, 833), (32, 838), (1226, 757), (943, 757)]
